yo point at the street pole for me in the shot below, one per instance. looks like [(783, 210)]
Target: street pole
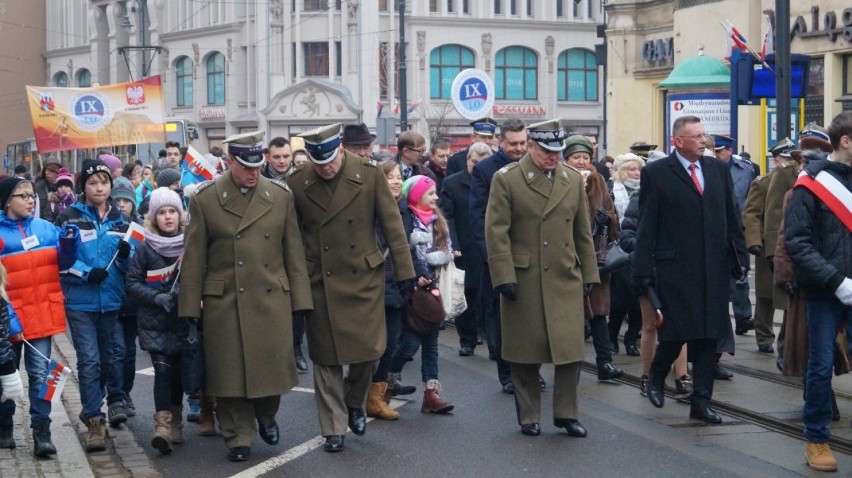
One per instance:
[(782, 68), (403, 93)]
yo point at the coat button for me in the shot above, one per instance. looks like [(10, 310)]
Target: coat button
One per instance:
[(242, 290), (354, 271), (266, 236), (239, 236), (266, 265), (546, 268), (325, 248), (240, 263), (350, 221), (545, 243), (269, 290), (352, 246), (328, 273)]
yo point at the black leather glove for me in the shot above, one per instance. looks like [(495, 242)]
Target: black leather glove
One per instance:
[(96, 276), (642, 284), (756, 251), (164, 301), (771, 263), (509, 291), (587, 289), (406, 286), (602, 220), (738, 272), (123, 249)]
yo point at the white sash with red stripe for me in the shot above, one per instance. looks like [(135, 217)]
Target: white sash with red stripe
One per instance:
[(831, 192)]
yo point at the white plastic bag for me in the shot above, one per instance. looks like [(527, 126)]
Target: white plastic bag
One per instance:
[(451, 285)]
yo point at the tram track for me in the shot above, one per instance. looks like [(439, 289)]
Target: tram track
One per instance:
[(777, 425)]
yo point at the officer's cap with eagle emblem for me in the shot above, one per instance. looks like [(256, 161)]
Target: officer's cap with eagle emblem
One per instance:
[(548, 134), (323, 143), (783, 148), (247, 148)]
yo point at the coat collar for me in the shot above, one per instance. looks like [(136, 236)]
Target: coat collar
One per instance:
[(235, 202), (349, 184), (538, 182), (677, 168)]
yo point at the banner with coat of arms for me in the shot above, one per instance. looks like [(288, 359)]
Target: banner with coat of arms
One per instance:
[(82, 118)]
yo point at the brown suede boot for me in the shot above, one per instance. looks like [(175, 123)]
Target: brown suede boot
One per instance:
[(96, 441), (206, 423), (177, 424), (376, 406), (162, 439), (432, 401)]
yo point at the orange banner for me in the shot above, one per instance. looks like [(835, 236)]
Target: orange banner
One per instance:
[(84, 118)]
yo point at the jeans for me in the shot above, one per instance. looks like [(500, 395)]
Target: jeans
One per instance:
[(129, 326), (36, 369), (408, 344), (114, 378), (93, 334), (824, 316), (393, 325)]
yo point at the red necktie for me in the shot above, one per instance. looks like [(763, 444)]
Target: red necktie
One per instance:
[(695, 178)]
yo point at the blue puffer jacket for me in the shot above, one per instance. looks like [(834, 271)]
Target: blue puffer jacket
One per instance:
[(96, 246)]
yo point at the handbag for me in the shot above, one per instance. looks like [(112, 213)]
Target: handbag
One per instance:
[(451, 285), (192, 366), (615, 258), (425, 311)]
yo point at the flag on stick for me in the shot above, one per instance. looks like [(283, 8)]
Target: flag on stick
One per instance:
[(54, 381), (198, 166), (379, 108), (414, 106), (135, 234)]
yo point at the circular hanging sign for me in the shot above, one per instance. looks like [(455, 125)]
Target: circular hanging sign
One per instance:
[(473, 94)]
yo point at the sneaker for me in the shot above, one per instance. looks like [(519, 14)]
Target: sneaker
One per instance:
[(129, 407), (643, 385), (820, 457), (683, 386), (116, 413), (194, 408)]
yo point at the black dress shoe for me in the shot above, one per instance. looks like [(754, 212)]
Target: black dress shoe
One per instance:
[(571, 426), (301, 363), (465, 351), (721, 373), (607, 372), (744, 326), (333, 443), (509, 388), (613, 347), (766, 348), (656, 395), (357, 421), (702, 411), (239, 453), (269, 433), (631, 350), (531, 429)]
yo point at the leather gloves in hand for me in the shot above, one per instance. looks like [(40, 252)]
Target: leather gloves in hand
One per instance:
[(13, 388), (123, 249), (587, 289), (97, 275), (756, 251), (844, 292), (509, 291), (164, 301)]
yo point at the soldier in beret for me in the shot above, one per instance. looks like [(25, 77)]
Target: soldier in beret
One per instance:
[(340, 198), (539, 263), (245, 260)]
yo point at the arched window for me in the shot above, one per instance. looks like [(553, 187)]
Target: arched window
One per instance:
[(183, 79), (445, 62), (216, 79), (60, 79), (84, 78), (577, 76), (516, 74)]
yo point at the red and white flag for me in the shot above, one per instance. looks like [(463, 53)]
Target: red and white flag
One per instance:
[(54, 381), (135, 234)]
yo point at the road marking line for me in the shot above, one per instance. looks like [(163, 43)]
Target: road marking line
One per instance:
[(146, 371), (302, 389), (296, 451)]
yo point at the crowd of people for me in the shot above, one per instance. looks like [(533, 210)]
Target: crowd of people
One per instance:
[(221, 280)]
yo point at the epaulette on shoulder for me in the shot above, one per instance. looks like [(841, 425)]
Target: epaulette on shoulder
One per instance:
[(760, 178), (373, 163), (505, 169), (202, 186), (280, 184)]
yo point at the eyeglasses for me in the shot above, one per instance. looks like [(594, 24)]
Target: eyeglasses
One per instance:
[(419, 151), (695, 137), (25, 197)]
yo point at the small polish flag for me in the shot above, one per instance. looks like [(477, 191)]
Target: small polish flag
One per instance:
[(135, 235), (159, 277), (198, 165), (54, 381)]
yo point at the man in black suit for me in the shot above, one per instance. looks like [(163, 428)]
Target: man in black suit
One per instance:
[(410, 146), (687, 221), (455, 203), (513, 146)]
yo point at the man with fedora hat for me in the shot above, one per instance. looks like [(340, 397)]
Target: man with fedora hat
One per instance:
[(247, 264), (358, 140), (540, 286), (340, 198), (484, 131)]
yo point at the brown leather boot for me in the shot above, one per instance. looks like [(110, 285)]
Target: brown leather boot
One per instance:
[(376, 406), (177, 424), (432, 401), (206, 422), (96, 441), (162, 439)]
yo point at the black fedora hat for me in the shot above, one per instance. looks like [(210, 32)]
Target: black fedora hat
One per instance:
[(357, 134)]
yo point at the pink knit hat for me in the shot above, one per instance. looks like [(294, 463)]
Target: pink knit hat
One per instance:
[(65, 177), (415, 187), (111, 161)]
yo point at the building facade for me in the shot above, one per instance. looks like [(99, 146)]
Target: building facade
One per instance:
[(287, 66)]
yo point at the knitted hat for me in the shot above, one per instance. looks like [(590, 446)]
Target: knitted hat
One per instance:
[(163, 197), (7, 187), (621, 159), (577, 143), (111, 161), (90, 168), (20, 169), (65, 178), (167, 177), (123, 188), (415, 187)]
